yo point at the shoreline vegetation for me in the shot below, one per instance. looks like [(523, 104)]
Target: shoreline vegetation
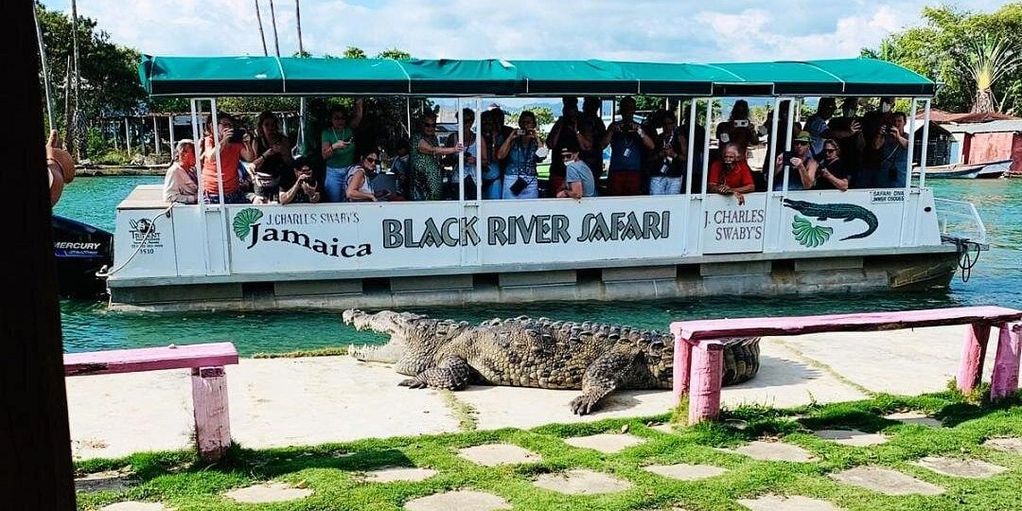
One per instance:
[(337, 474)]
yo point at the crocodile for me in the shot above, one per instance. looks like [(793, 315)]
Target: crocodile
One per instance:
[(846, 212), (594, 358)]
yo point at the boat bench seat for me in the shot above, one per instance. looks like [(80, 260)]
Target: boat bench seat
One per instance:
[(698, 355), (209, 382)]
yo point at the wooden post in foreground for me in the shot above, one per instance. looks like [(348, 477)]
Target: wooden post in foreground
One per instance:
[(682, 368), (212, 423), (1004, 382), (707, 376), (974, 351), (35, 465)]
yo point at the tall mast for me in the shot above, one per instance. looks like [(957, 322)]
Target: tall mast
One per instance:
[(273, 20), (262, 36), (298, 17), (45, 70)]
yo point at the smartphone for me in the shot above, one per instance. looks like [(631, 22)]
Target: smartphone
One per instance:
[(520, 132), (741, 123), (238, 135)]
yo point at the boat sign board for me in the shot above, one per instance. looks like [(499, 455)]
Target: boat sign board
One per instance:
[(441, 234), (730, 228)]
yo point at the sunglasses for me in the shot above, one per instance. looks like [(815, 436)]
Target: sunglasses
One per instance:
[(799, 142), (371, 160), (830, 150)]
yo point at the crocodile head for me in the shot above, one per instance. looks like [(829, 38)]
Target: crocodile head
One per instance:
[(398, 325)]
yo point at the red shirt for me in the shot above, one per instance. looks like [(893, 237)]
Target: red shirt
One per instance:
[(740, 175), (230, 156)]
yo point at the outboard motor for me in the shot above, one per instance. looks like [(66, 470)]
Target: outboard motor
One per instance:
[(81, 251)]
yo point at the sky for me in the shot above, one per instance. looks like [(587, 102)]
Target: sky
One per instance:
[(640, 30)]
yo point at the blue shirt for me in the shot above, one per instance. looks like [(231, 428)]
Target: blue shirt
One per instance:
[(626, 152), (521, 160)]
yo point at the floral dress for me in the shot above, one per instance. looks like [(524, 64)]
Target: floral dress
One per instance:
[(427, 174)]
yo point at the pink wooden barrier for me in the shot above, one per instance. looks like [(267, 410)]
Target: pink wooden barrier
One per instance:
[(209, 382), (698, 365)]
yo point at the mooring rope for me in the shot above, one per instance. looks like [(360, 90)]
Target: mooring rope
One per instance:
[(104, 273)]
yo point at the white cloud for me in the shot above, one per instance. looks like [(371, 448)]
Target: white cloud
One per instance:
[(572, 29)]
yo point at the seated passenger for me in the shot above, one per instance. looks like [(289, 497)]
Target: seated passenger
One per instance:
[(592, 126), (521, 180), (427, 173), (738, 130), (181, 184), (566, 134), (830, 172), (401, 167), (360, 181), (234, 145), (266, 131), (305, 188), (578, 179), (272, 171), (800, 164), (628, 144), (731, 175)]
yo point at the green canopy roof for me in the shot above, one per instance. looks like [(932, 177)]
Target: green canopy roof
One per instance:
[(239, 76)]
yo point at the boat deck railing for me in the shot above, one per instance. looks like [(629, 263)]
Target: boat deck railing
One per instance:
[(960, 219)]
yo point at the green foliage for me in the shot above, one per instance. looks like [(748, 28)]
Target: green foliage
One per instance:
[(335, 472), (939, 50), (354, 52), (394, 53)]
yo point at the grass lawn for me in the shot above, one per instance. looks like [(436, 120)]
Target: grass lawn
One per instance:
[(334, 471)]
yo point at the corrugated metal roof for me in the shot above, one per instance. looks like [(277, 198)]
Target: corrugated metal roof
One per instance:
[(986, 127)]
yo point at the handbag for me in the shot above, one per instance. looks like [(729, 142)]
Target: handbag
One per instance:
[(519, 185)]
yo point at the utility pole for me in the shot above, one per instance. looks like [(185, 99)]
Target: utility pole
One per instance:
[(298, 17), (35, 468)]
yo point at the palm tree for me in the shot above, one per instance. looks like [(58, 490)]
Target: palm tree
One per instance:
[(273, 20), (984, 61), (298, 18), (262, 35)]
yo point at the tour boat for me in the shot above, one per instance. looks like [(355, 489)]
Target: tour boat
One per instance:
[(400, 254)]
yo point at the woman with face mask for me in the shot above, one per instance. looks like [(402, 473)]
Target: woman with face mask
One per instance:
[(181, 183)]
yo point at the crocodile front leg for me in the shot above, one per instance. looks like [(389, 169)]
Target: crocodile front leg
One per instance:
[(453, 373), (601, 378)]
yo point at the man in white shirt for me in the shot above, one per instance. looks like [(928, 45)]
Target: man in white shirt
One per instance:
[(181, 184)]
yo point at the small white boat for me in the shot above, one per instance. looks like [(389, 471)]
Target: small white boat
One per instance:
[(988, 170)]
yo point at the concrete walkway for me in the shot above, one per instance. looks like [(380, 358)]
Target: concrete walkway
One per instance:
[(314, 400)]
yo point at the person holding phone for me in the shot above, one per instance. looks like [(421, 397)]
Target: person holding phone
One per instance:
[(232, 146), (360, 176), (426, 154), (628, 145), (738, 129), (521, 180), (566, 134), (305, 189), (800, 163), (338, 150)]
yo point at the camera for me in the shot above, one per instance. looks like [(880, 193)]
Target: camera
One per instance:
[(741, 123), (627, 127), (520, 132), (238, 134)]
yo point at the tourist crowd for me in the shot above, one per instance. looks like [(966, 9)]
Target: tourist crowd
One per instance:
[(649, 157)]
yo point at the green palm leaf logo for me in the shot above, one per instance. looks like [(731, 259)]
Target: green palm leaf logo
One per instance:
[(243, 220), (809, 235)]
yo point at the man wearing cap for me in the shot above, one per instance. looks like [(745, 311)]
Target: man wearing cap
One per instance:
[(817, 125), (800, 165)]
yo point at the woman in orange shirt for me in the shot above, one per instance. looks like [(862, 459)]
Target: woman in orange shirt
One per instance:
[(232, 150)]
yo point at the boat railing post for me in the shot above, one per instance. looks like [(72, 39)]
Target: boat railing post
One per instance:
[(793, 104), (706, 168), (408, 116), (906, 205), (690, 166), (156, 136), (222, 207), (170, 130), (924, 150), (479, 145), (216, 152), (771, 163), (197, 136), (460, 170)]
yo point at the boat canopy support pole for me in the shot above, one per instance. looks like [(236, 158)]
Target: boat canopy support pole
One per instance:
[(690, 167), (479, 145), (156, 136), (908, 201), (706, 168), (127, 136), (460, 170), (923, 153), (170, 132)]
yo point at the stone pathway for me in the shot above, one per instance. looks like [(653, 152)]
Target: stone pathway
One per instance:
[(773, 451), (491, 455), (782, 503), (461, 500), (664, 428), (581, 482), (914, 417), (266, 493), (392, 474), (134, 506), (685, 472), (852, 437), (1009, 445), (111, 480), (608, 443), (887, 481), (955, 467)]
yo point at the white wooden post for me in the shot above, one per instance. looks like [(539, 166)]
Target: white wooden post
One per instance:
[(156, 136), (170, 124), (127, 136), (212, 420)]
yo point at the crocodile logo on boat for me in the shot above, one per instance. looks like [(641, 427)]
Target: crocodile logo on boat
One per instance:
[(811, 236)]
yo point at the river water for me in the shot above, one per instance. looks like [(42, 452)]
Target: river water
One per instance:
[(87, 325)]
